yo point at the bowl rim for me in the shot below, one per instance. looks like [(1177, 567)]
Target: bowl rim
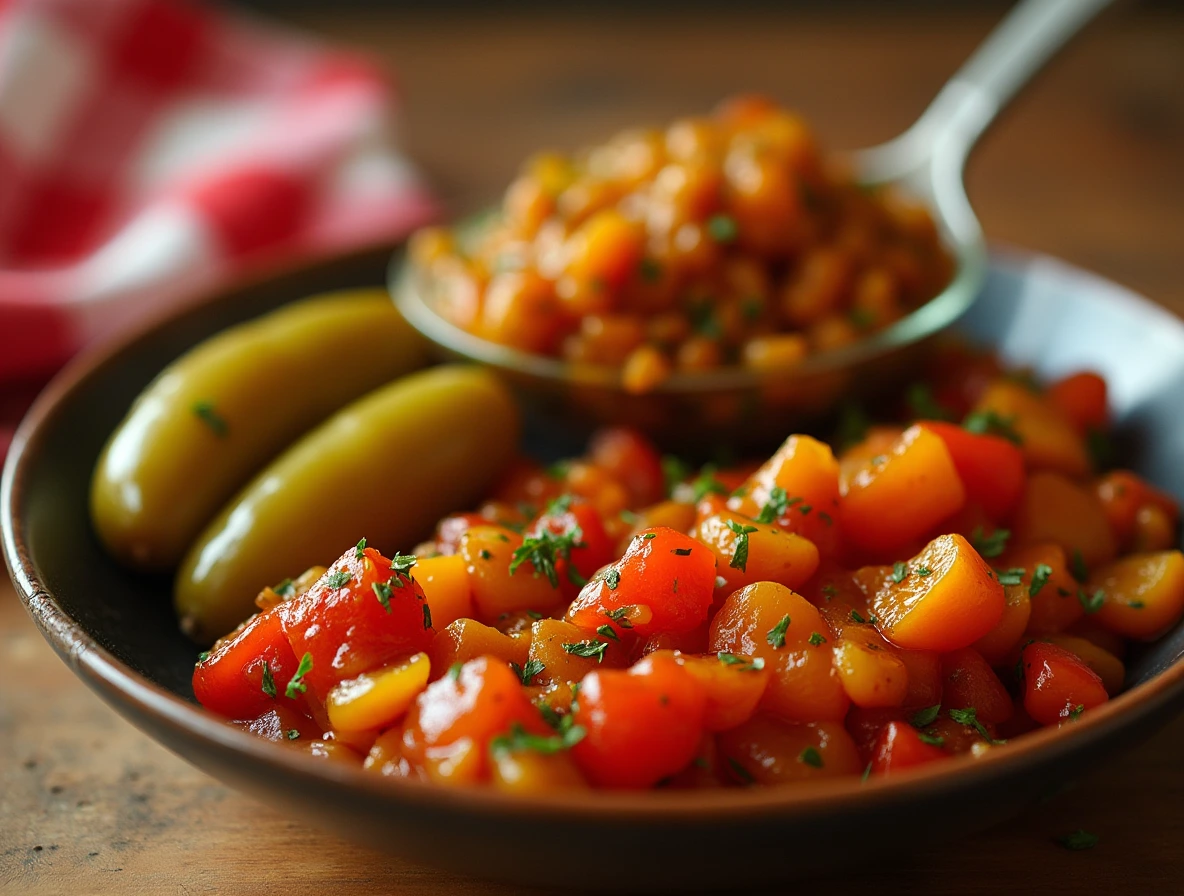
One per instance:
[(135, 695)]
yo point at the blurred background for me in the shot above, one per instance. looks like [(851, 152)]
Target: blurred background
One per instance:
[(1086, 165)]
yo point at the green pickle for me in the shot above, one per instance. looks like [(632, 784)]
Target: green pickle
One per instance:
[(387, 468), (219, 413)]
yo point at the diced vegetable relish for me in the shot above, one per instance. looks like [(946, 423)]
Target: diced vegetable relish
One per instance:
[(923, 589), (726, 240)]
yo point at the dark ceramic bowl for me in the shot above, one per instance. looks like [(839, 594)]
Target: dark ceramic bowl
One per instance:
[(117, 632)]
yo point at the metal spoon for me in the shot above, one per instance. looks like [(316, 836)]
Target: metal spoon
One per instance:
[(741, 406)]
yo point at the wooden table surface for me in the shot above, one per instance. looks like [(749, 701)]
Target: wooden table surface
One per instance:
[(1087, 166)]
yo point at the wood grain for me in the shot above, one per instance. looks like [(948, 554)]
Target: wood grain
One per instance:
[(1087, 167)]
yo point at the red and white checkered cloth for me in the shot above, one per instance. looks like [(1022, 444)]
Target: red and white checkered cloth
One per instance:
[(151, 149)]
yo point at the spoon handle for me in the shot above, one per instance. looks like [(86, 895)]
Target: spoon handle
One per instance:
[(1013, 52), (1031, 34)]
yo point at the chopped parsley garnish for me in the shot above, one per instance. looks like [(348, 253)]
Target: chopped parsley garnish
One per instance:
[(558, 506), (775, 507), (587, 649), (682, 552), (1076, 711), (1040, 576), (867, 773), (675, 472), (427, 616), (811, 757), (203, 656), (899, 572), (706, 484), (1077, 567), (650, 270), (933, 740), (829, 591), (989, 546), (1092, 602), (403, 562), (856, 616), (742, 665), (816, 639), (776, 635), (1078, 840), (740, 771), (1013, 576), (529, 671), (292, 734), (923, 571), (923, 405), (520, 740), (382, 591), (612, 578), (360, 550), (286, 588), (740, 557), (268, 685), (826, 518), (923, 718), (338, 579), (649, 536), (722, 228), (297, 685), (485, 554), (969, 717), (454, 671), (607, 631), (990, 423), (545, 550), (621, 616), (205, 412)]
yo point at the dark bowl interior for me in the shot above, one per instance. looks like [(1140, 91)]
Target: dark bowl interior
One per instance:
[(118, 632)]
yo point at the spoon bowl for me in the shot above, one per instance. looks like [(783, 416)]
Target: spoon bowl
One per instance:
[(748, 408)]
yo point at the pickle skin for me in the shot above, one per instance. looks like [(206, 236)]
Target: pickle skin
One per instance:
[(385, 468), (219, 413)]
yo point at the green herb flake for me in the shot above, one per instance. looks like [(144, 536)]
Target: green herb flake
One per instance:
[(899, 572), (740, 557), (969, 717), (454, 671), (268, 685), (741, 773), (991, 423), (206, 413), (587, 649), (621, 616), (932, 739), (607, 631), (403, 562), (519, 740), (829, 591), (681, 552), (544, 551), (612, 578), (867, 773), (826, 518), (1092, 602), (856, 616), (297, 685), (741, 663), (1013, 576), (338, 579), (382, 590), (989, 546), (360, 549), (722, 228), (811, 757), (529, 671), (1077, 567), (485, 554), (1076, 711), (775, 507), (923, 718), (776, 635), (1077, 840), (292, 734), (923, 571), (1040, 576), (923, 404), (816, 639), (427, 616), (286, 588), (649, 536)]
